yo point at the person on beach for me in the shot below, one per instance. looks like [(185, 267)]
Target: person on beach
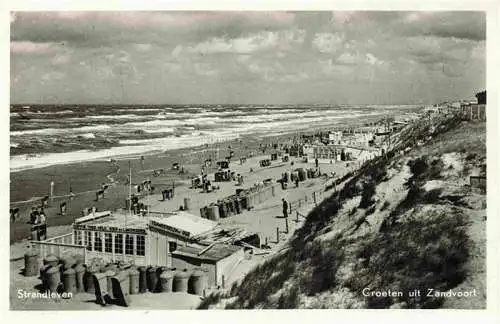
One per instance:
[(316, 161), (14, 212), (40, 218), (33, 215), (285, 208)]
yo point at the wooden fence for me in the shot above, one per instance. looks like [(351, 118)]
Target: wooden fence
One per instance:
[(61, 246)]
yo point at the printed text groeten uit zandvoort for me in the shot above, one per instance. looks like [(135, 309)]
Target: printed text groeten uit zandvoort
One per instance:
[(429, 292)]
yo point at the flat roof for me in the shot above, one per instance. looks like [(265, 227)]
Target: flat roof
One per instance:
[(92, 216), (216, 253), (116, 219), (187, 222), (121, 219)]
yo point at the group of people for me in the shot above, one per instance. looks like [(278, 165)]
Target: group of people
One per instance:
[(37, 216), (38, 223), (137, 207), (167, 194)]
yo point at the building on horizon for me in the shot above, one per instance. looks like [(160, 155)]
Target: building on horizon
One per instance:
[(481, 97), (475, 111)]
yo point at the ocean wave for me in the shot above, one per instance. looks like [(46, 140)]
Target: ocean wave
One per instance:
[(137, 109), (22, 162), (62, 112), (109, 117), (160, 130), (154, 123), (172, 128), (87, 135), (54, 131)]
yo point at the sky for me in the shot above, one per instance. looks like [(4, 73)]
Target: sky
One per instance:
[(217, 57)]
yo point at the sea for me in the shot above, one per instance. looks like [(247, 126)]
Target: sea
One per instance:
[(47, 135)]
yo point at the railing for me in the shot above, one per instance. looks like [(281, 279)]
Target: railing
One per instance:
[(311, 198), (61, 239), (61, 246)]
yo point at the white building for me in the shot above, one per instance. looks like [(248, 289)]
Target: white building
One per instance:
[(335, 137)]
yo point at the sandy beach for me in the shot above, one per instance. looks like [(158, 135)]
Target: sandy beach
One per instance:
[(85, 178), (265, 219)]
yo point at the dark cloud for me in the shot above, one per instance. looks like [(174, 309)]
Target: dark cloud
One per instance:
[(158, 57), (461, 25), (98, 28)]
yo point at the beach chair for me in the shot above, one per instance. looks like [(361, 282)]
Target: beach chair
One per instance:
[(100, 288), (120, 285)]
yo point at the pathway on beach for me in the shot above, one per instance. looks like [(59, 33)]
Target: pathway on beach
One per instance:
[(113, 175)]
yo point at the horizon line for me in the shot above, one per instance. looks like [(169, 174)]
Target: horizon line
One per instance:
[(228, 104)]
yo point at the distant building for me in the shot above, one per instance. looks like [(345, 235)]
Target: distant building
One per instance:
[(475, 111), (481, 97), (335, 137), (432, 110)]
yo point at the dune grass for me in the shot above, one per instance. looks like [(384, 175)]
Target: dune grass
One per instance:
[(413, 253), (404, 259)]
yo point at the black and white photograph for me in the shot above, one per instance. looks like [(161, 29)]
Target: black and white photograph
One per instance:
[(247, 159)]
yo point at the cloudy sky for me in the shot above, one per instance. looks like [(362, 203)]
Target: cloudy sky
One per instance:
[(246, 57)]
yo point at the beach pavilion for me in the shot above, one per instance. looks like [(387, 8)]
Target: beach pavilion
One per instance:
[(174, 240)]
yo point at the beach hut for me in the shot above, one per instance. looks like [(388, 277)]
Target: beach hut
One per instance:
[(224, 164), (217, 260), (265, 163)]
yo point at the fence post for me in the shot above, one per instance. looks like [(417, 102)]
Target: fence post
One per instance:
[(277, 234), (286, 224), (297, 214)]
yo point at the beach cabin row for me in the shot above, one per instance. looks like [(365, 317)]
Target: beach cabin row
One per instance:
[(244, 199)]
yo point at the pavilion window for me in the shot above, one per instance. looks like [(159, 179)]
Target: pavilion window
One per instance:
[(172, 246), (141, 245), (119, 243), (78, 238), (129, 244), (97, 242), (88, 240), (108, 243)]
